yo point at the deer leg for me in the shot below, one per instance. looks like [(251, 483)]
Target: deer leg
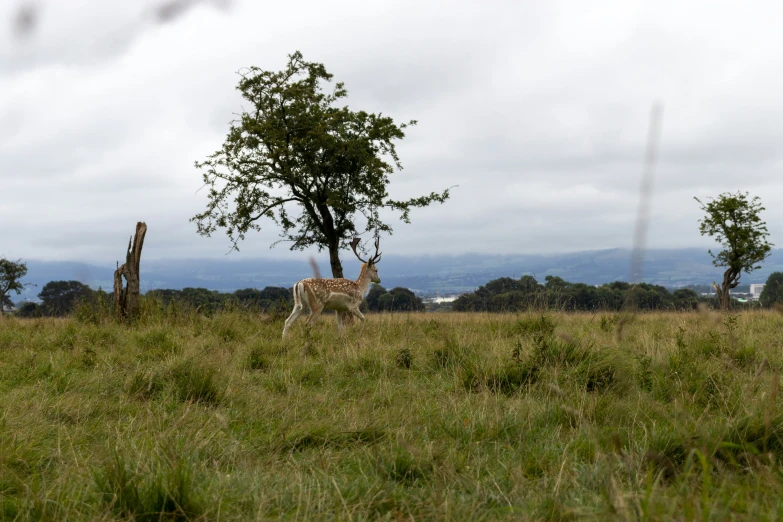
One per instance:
[(356, 313), (315, 313), (339, 320), (298, 310)]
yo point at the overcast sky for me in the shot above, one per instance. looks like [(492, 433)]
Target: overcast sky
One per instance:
[(537, 110)]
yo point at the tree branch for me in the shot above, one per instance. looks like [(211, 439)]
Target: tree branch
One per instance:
[(270, 207)]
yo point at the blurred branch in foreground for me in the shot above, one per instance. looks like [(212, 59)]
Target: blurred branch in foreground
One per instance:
[(27, 15)]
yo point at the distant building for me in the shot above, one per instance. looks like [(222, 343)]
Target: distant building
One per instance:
[(446, 299), (755, 291)]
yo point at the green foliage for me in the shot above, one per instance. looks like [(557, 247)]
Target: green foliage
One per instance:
[(549, 350), (29, 309), (509, 295), (735, 222), (451, 354), (607, 323), (165, 492), (302, 159), (773, 290), (371, 301), (156, 344), (11, 274), (59, 298), (535, 325), (604, 370), (517, 417), (146, 384), (403, 359), (395, 300), (257, 359), (95, 307), (270, 300), (196, 384), (406, 466), (685, 299), (321, 439), (752, 437), (511, 378)]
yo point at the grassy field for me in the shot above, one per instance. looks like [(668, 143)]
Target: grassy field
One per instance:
[(436, 416)]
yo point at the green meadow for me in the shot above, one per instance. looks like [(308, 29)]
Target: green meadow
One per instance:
[(553, 416)]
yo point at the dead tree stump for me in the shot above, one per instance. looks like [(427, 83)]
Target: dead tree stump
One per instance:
[(126, 302)]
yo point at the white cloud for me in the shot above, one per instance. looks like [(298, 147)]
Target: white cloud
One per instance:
[(538, 111)]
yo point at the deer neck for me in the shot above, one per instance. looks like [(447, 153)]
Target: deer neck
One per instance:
[(363, 281)]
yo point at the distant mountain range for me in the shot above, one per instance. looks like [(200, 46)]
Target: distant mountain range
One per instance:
[(445, 275)]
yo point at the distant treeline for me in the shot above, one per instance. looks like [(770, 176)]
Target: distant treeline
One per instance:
[(511, 295), (60, 298), (273, 299)]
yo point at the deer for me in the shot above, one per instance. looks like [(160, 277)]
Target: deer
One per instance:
[(340, 294)]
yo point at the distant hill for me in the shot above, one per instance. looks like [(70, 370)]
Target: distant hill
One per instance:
[(425, 275)]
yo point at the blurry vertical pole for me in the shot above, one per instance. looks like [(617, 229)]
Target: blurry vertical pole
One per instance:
[(643, 215), (645, 193)]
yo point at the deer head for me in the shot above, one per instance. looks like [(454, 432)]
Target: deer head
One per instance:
[(372, 270)]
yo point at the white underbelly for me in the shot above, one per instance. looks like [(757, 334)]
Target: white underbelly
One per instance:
[(339, 302)]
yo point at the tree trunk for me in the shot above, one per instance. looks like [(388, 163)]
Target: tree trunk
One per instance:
[(334, 252), (730, 280), (126, 302), (723, 303), (337, 272), (334, 259), (331, 236)]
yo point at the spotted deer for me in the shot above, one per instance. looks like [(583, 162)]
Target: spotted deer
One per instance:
[(342, 295)]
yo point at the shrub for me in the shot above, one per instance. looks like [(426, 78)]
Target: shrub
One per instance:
[(196, 384), (257, 359), (165, 492), (146, 385), (403, 359)]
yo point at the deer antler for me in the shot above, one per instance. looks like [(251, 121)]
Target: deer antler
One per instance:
[(377, 257), (354, 244)]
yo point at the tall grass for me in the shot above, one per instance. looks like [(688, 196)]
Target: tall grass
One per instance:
[(178, 416)]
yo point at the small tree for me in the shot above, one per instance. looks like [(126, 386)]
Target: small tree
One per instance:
[(29, 309), (300, 159), (773, 290), (400, 299), (735, 223), (685, 299), (11, 273)]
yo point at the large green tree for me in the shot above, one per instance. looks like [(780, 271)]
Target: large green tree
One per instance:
[(11, 274), (734, 221), (302, 159), (773, 290), (61, 297)]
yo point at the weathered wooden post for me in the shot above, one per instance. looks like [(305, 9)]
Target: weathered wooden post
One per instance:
[(126, 302)]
